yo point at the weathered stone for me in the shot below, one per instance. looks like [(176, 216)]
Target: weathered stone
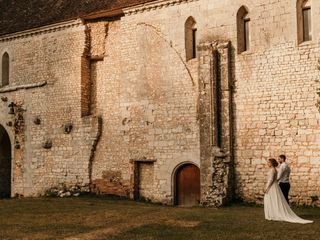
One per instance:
[(126, 87)]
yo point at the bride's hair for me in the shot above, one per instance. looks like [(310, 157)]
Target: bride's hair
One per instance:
[(273, 162)]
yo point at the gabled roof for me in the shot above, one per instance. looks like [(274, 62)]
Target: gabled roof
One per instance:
[(19, 15)]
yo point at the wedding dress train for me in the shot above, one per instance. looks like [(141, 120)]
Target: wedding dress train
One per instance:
[(276, 207)]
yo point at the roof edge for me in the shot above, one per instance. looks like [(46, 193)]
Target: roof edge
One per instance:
[(43, 29), (103, 14), (157, 4)]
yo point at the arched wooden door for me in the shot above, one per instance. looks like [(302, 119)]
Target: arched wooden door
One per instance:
[(5, 164), (187, 185)]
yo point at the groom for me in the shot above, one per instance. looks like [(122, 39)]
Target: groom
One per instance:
[(283, 176)]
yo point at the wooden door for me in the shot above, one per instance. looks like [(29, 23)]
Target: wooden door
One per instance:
[(188, 185)]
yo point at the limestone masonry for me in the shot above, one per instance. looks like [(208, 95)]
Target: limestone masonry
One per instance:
[(122, 102)]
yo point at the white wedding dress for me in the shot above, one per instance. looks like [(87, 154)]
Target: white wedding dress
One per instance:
[(276, 207)]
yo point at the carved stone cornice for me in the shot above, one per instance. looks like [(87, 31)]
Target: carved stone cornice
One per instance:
[(42, 30), (153, 6), (213, 45)]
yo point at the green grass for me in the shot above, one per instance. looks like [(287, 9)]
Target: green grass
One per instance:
[(114, 219)]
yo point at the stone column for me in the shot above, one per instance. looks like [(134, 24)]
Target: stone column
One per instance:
[(216, 123)]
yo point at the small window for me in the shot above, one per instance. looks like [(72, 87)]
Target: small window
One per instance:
[(194, 40), (243, 30), (306, 15), (5, 70), (246, 34), (190, 38), (304, 21)]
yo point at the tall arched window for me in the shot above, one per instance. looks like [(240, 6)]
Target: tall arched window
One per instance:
[(243, 29), (190, 38), (304, 20), (5, 70)]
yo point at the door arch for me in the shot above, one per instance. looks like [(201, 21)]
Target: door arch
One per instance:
[(187, 185), (5, 164)]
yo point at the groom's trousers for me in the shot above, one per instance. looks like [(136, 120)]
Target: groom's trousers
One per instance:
[(285, 187)]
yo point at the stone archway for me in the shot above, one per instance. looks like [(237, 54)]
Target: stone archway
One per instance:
[(5, 164), (187, 185)]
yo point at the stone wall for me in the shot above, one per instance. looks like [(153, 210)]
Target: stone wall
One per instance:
[(145, 78), (147, 96), (51, 143), (133, 72), (276, 82)]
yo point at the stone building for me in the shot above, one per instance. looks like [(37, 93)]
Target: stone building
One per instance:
[(173, 101)]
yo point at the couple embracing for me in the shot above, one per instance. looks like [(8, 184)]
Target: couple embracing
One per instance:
[(276, 203)]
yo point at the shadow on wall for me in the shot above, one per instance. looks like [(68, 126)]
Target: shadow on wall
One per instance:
[(5, 164)]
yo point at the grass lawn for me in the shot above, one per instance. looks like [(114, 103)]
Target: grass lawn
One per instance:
[(107, 218)]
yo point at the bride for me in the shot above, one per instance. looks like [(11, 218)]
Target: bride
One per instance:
[(276, 207)]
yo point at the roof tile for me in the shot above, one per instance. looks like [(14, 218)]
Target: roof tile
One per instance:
[(19, 15)]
